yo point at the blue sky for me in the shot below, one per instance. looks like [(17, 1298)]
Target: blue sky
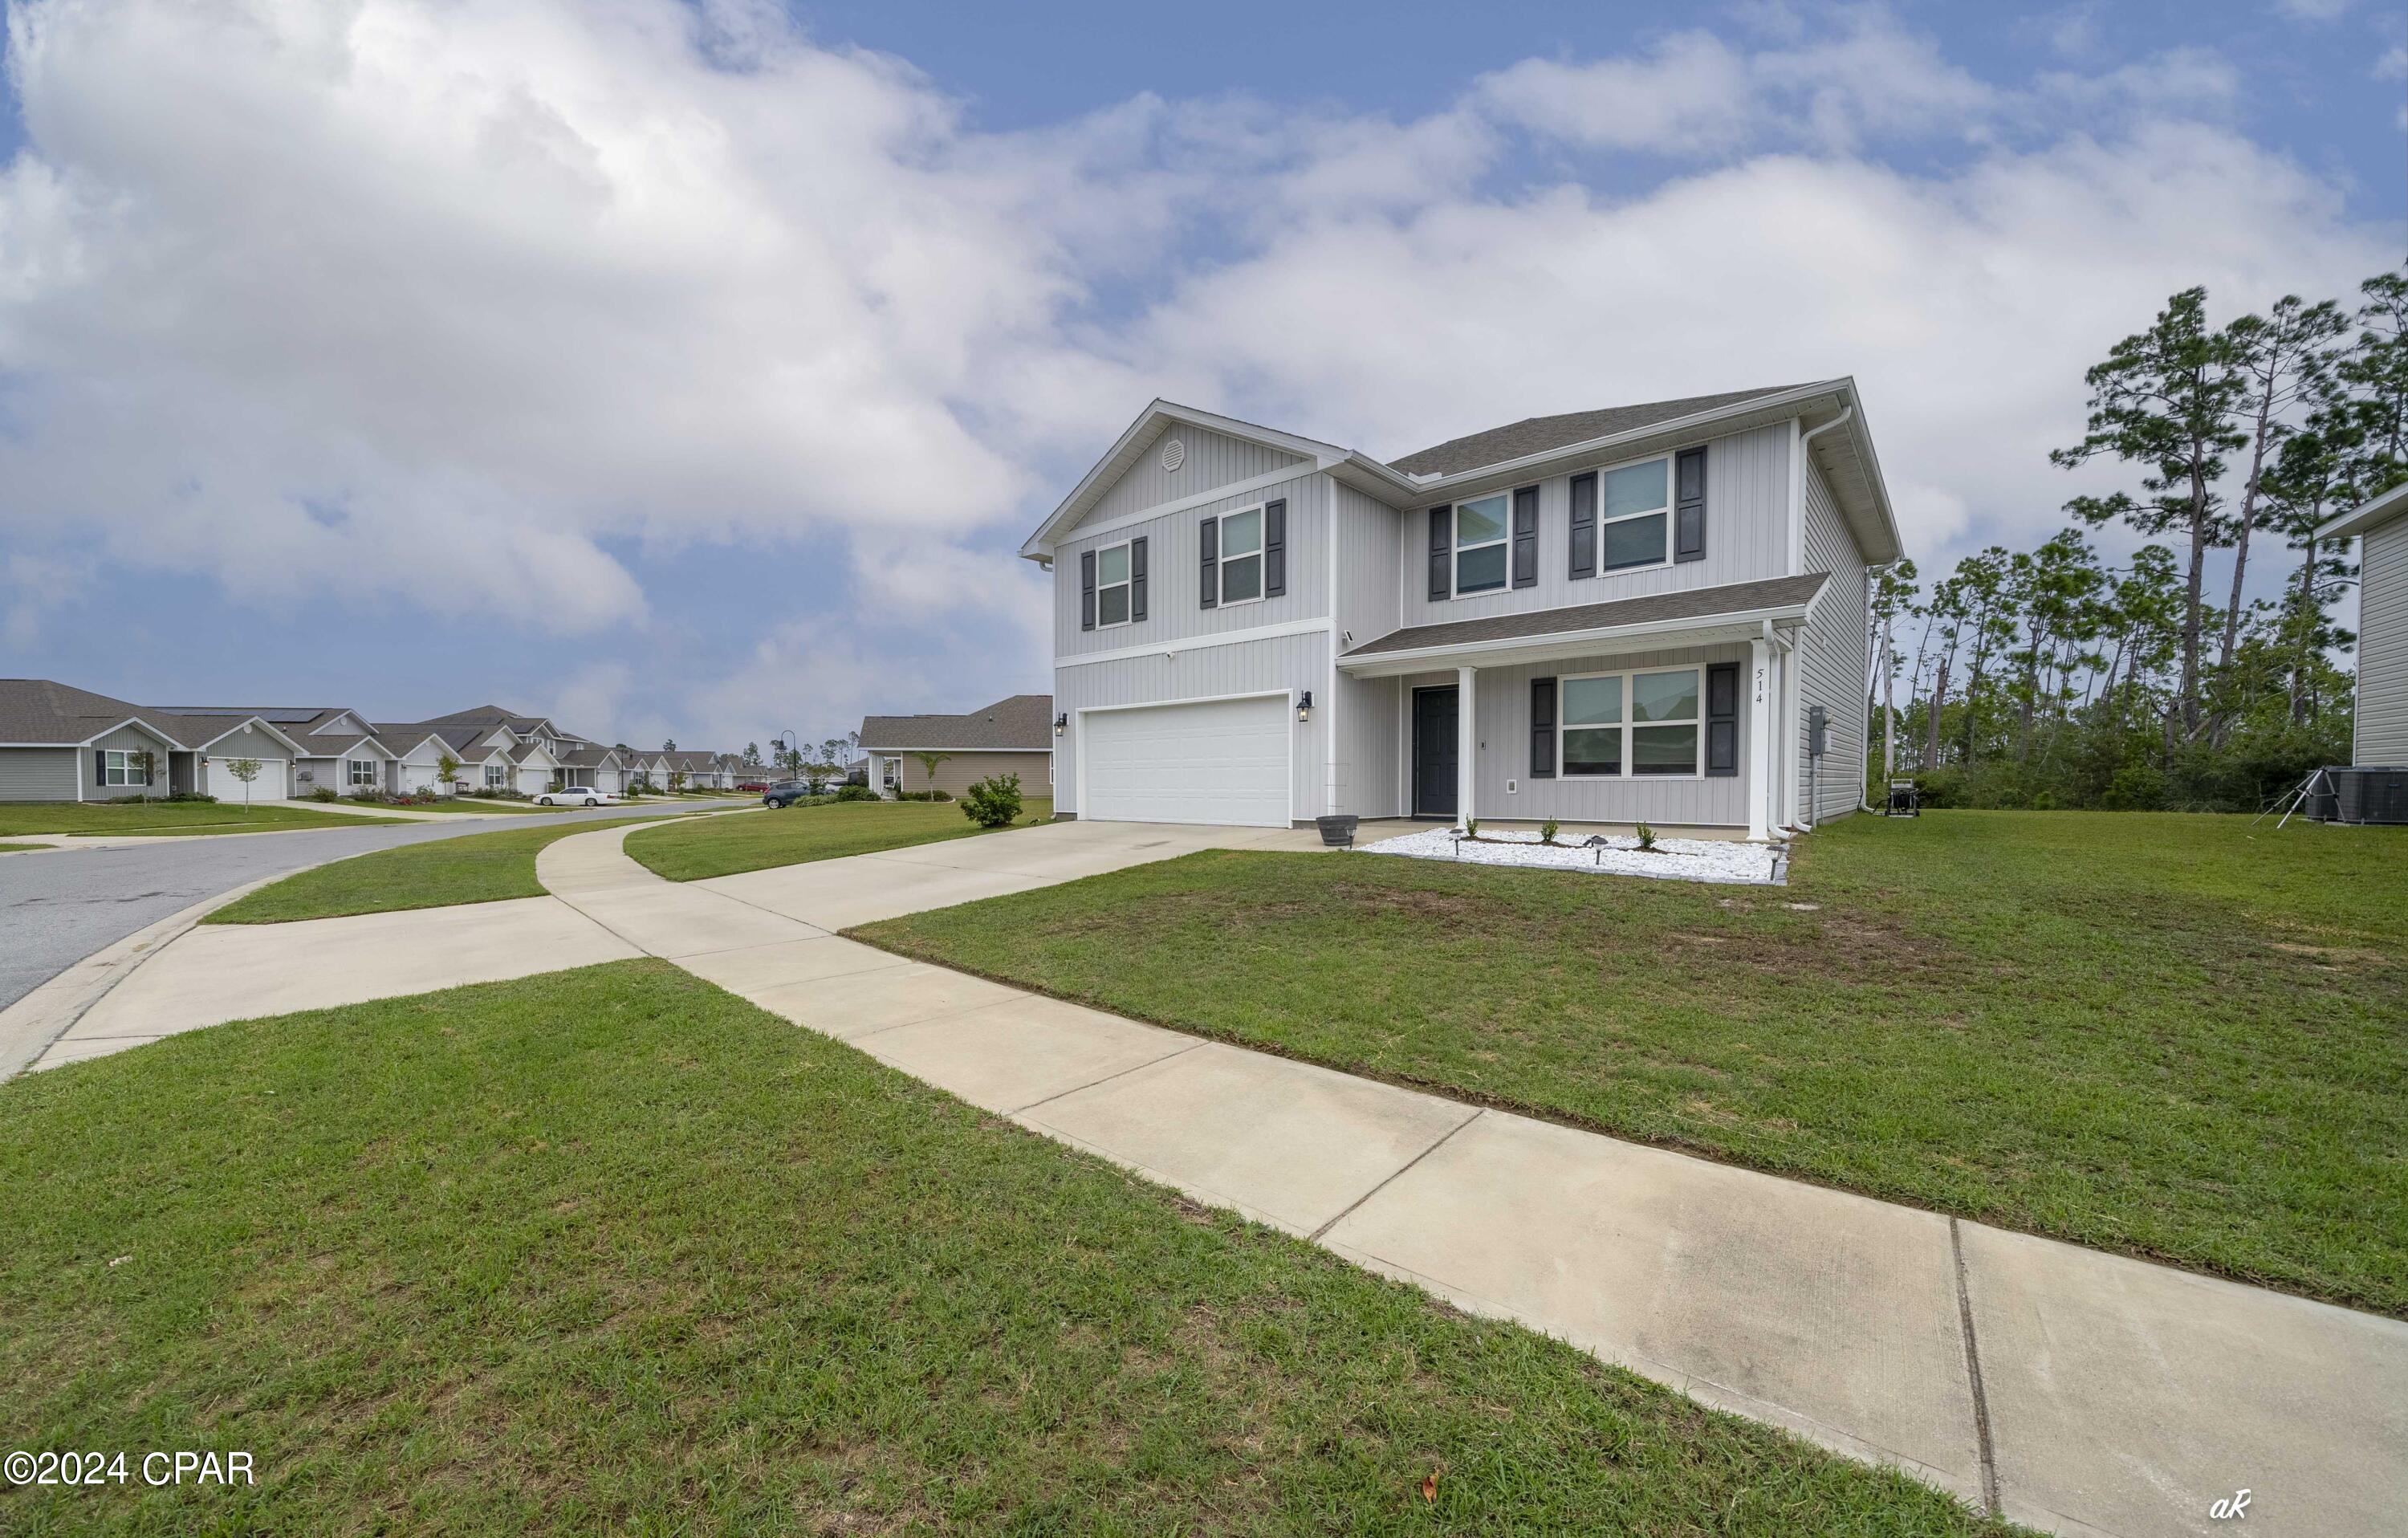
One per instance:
[(695, 371)]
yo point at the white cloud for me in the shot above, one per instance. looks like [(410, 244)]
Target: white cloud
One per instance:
[(445, 304), (2315, 10)]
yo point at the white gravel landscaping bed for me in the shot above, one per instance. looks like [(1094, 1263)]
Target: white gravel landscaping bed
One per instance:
[(1672, 860)]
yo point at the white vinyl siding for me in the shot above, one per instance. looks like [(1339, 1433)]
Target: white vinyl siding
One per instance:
[(2383, 646), (1211, 460), (1174, 568), (1833, 659), (1747, 538)]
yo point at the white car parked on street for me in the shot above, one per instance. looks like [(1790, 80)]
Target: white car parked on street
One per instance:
[(576, 796)]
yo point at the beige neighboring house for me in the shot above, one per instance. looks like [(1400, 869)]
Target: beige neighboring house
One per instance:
[(1012, 736), (2381, 529)]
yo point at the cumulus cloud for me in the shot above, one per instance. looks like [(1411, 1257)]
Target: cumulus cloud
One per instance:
[(473, 307)]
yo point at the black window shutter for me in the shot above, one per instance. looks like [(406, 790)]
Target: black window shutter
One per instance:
[(1208, 544), (1086, 590), (1137, 578), (1722, 720), (1543, 728), (1275, 547), (1690, 506), (1583, 556), (1442, 552), (1525, 537), (100, 766)]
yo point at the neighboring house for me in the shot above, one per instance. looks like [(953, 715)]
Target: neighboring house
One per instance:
[(593, 767), (61, 743), (702, 770), (1606, 616), (2381, 529), (1013, 736), (331, 748)]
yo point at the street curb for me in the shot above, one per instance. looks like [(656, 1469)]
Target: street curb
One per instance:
[(33, 1025)]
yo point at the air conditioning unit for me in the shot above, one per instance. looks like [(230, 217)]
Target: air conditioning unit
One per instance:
[(2368, 794)]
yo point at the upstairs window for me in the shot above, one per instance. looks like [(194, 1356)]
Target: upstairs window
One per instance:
[(1113, 585), (1479, 544), (1634, 510), (1242, 556)]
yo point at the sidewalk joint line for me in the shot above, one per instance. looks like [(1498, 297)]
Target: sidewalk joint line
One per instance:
[(1973, 1375), (1105, 1079), (1315, 1235)]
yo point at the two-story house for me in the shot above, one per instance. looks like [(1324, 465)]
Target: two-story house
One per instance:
[(1652, 612)]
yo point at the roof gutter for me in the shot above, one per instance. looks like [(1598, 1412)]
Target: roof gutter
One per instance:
[(1668, 428)]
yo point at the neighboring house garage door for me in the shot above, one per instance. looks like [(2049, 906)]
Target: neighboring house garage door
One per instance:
[(275, 774), (1224, 761), (417, 777)]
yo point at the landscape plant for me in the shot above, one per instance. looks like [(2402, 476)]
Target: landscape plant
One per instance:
[(246, 771), (994, 801)]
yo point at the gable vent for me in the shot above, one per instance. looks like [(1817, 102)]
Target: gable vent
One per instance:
[(1174, 453)]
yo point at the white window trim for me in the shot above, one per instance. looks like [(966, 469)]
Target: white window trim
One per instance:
[(1127, 584), (1456, 547), (1260, 555), (351, 775), (116, 761), (1671, 493), (498, 777), (1627, 725)]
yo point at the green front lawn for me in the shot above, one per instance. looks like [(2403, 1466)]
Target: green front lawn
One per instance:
[(612, 1250), (722, 846), (21, 848), (473, 868), (2173, 1036), (120, 817)]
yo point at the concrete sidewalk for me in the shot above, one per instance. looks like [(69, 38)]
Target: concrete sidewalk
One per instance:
[(2071, 1390)]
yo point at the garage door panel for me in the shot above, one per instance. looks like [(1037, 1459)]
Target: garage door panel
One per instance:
[(1224, 762), (275, 774)]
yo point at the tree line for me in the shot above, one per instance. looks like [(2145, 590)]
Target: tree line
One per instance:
[(2052, 677)]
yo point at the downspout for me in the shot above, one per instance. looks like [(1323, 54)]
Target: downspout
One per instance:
[(1804, 439)]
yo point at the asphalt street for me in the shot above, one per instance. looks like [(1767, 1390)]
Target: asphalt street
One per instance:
[(59, 906)]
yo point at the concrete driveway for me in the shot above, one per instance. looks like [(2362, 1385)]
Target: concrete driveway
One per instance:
[(57, 907)]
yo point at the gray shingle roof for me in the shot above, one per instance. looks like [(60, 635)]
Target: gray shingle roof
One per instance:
[(1021, 724), (35, 710), (1696, 603), (1536, 434)]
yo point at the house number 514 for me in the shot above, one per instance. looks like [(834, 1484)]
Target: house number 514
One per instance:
[(1759, 685)]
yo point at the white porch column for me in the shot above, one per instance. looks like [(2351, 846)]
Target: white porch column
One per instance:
[(1467, 743), (1760, 756)]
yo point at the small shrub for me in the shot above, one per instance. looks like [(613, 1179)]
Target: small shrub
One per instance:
[(993, 802), (324, 793), (190, 795), (2044, 800), (1548, 829), (851, 792), (1472, 827), (1646, 836)]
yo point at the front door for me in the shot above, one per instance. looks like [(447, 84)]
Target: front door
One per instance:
[(1434, 760)]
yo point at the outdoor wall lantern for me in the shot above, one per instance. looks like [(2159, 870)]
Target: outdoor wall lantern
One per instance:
[(1060, 722), (1304, 706)]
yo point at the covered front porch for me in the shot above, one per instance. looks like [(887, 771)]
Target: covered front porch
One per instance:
[(1679, 710)]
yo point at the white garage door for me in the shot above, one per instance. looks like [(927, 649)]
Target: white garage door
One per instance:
[(417, 777), (275, 777), (1222, 762)]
